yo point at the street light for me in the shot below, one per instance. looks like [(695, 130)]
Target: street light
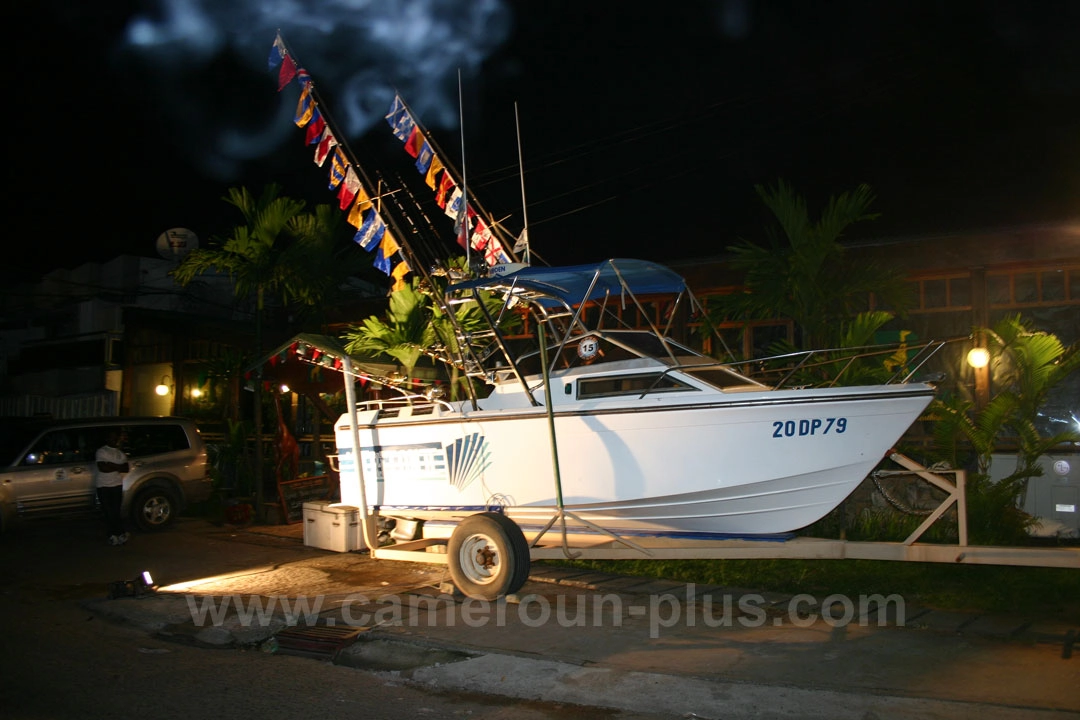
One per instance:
[(163, 387)]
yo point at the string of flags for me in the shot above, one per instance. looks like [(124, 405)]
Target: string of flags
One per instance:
[(372, 233), (468, 226)]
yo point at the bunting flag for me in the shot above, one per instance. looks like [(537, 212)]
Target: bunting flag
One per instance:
[(387, 247), (522, 241), (400, 120), (423, 158), (305, 108), (326, 143), (494, 253), (287, 72), (338, 165), (433, 171), (453, 205), (415, 141), (348, 188), (481, 236), (445, 184), (371, 232), (363, 203), (315, 127), (399, 272), (277, 51)]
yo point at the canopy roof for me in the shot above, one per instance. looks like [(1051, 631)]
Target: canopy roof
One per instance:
[(571, 284)]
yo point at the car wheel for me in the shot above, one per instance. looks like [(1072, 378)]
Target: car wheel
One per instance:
[(154, 509)]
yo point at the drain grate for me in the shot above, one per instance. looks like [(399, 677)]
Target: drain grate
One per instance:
[(317, 641)]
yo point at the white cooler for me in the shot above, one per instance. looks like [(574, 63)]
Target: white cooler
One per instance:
[(332, 526)]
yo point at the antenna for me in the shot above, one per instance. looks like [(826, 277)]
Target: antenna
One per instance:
[(524, 239)]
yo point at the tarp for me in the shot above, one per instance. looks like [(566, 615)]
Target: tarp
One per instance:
[(571, 284)]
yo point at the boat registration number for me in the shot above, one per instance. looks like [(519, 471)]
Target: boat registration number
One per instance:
[(808, 426)]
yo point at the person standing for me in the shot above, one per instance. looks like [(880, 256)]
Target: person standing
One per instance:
[(112, 465)]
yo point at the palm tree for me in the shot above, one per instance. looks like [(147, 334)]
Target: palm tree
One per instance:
[(280, 249), (802, 273), (1027, 366)]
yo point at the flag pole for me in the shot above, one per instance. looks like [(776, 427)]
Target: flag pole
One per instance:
[(521, 171)]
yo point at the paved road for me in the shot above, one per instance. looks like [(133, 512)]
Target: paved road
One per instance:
[(627, 645)]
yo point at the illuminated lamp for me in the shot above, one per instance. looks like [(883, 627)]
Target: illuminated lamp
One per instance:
[(978, 357), (284, 388), (163, 388)]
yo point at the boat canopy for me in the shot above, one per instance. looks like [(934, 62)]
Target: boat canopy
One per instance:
[(571, 285)]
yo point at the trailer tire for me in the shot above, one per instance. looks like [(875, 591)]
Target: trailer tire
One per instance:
[(488, 556)]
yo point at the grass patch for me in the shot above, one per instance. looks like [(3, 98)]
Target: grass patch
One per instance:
[(1040, 593)]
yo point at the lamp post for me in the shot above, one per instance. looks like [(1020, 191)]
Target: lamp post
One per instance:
[(979, 360)]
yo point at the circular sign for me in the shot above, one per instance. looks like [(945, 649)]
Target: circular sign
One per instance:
[(176, 243), (588, 347), (1061, 467)]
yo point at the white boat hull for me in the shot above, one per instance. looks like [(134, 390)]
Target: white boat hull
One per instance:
[(744, 463)]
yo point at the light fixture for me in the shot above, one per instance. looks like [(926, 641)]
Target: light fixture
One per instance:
[(978, 357), (284, 388), (196, 392), (163, 387), (143, 584)]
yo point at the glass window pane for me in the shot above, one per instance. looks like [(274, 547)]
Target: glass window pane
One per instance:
[(1027, 291), (934, 294), (959, 292), (997, 290), (1053, 285)]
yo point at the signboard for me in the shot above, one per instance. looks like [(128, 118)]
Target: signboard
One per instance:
[(294, 493)]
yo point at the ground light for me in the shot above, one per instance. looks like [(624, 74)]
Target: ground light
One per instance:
[(143, 584)]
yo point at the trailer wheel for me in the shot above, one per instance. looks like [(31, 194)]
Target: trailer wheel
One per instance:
[(488, 556)]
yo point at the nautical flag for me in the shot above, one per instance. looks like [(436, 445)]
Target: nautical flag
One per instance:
[(494, 254), (348, 188), (287, 72), (371, 232), (387, 247), (453, 206), (277, 51), (305, 108), (315, 127), (462, 224), (363, 202), (338, 165), (399, 275), (433, 171), (416, 139), (522, 241), (481, 235), (423, 159), (326, 142), (445, 184), (400, 120), (303, 77)]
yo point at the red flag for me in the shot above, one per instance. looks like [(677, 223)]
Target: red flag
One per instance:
[(287, 72), (326, 142), (415, 142), (315, 128), (446, 183), (347, 191)]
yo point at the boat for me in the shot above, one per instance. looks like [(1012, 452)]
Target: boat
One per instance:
[(602, 426)]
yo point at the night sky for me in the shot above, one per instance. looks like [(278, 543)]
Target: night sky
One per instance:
[(643, 132)]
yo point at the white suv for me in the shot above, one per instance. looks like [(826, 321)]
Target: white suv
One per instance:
[(47, 468)]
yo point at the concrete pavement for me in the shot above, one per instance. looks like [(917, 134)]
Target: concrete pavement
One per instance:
[(631, 643)]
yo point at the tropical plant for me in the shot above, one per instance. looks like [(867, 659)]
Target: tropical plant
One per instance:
[(1026, 366), (803, 274), (280, 249)]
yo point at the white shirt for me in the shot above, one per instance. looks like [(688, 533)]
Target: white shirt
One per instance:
[(109, 455)]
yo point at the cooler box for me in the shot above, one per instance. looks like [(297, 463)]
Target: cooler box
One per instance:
[(332, 526)]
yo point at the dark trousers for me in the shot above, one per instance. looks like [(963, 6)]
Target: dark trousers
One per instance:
[(110, 499)]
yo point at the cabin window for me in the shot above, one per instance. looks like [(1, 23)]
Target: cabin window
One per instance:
[(617, 385)]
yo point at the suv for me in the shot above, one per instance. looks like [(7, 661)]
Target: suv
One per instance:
[(47, 468)]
